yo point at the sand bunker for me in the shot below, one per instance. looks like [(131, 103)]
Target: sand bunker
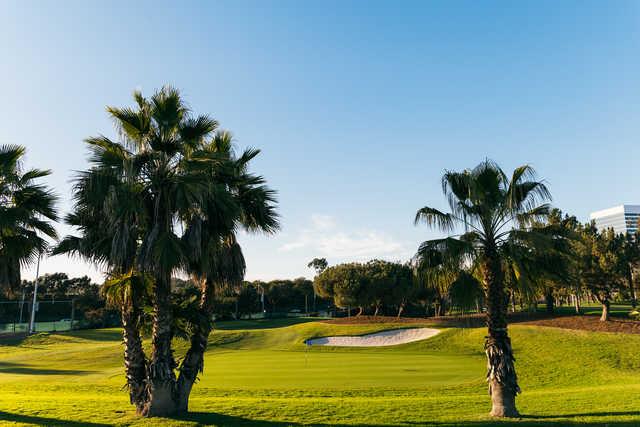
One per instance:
[(384, 338)]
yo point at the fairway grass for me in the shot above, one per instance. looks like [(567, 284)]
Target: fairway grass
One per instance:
[(261, 373)]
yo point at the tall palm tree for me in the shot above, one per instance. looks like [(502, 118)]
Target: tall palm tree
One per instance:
[(498, 216), (110, 221), (168, 197), (216, 259), (26, 211)]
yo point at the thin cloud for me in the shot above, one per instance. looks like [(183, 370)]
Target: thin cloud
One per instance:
[(325, 238)]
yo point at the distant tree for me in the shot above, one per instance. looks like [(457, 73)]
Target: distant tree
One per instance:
[(26, 211), (532, 268), (379, 287), (277, 291), (248, 300), (401, 281), (601, 265), (374, 284), (304, 288), (318, 264), (387, 284), (345, 284), (78, 286), (630, 263), (54, 286), (424, 296)]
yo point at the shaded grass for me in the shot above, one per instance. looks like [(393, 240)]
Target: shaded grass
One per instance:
[(262, 374)]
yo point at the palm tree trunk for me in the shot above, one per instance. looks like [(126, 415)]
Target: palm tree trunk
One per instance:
[(501, 373), (161, 387), (193, 362), (134, 358)]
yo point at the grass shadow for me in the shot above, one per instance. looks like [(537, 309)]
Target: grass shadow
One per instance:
[(215, 419), (585, 414), (103, 335), (21, 369), (45, 421), (220, 420), (11, 340), (230, 325)]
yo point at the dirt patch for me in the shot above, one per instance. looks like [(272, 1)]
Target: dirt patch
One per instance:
[(367, 320), (582, 323), (589, 323)]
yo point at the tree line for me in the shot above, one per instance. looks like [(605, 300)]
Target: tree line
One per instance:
[(61, 296)]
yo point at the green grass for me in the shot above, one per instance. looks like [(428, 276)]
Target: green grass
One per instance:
[(260, 373)]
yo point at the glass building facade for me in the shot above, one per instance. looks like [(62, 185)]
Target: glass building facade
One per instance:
[(623, 218)]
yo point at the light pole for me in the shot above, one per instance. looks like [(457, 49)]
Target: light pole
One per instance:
[(32, 323)]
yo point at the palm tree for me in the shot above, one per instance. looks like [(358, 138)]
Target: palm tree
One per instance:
[(215, 257), (168, 174), (498, 214), (26, 209), (110, 222)]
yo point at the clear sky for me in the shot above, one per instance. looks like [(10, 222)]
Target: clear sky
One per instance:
[(358, 106)]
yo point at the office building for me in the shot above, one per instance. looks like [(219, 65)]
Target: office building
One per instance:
[(623, 218)]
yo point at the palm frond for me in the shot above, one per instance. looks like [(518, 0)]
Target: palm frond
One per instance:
[(435, 218)]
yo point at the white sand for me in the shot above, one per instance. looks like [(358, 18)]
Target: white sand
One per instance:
[(384, 338)]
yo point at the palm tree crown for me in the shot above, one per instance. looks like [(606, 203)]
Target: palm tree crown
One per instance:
[(26, 209), (488, 204)]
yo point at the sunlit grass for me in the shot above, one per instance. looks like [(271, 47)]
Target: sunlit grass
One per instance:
[(261, 373)]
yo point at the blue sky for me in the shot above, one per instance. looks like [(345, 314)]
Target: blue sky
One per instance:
[(358, 106)]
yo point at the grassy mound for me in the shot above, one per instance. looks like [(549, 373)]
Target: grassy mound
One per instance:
[(261, 373)]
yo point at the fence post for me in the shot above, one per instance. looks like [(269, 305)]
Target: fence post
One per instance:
[(73, 312)]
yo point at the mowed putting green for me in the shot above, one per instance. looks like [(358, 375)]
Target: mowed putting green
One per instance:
[(261, 373)]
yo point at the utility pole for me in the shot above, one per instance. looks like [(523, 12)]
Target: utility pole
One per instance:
[(32, 324)]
